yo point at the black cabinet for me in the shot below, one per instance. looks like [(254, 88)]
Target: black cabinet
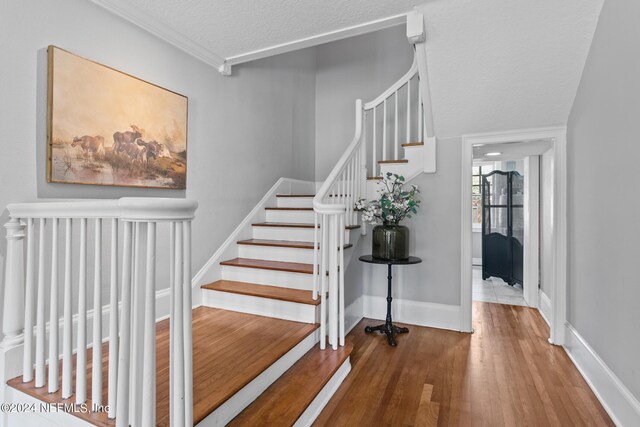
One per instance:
[(503, 226)]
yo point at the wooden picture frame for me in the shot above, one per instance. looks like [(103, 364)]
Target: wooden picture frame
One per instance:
[(106, 127)]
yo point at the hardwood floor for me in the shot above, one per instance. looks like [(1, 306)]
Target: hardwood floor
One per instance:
[(505, 374), (229, 350)]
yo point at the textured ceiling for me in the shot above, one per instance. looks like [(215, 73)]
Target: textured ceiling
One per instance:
[(233, 27), (493, 64), (505, 64)]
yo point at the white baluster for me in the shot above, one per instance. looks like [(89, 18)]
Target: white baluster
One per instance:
[(13, 313), (122, 411), (53, 311), (81, 351), (187, 325), (395, 128), (172, 281), (137, 324), (177, 351), (408, 111), (149, 365), (113, 322), (420, 113), (374, 165), (341, 283), (323, 289), (27, 361), (316, 278), (96, 362), (333, 282), (67, 322), (348, 185), (384, 130), (40, 322)]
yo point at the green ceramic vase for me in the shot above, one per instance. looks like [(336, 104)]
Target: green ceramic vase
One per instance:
[(390, 242)]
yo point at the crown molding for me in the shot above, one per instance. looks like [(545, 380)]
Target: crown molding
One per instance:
[(138, 17)]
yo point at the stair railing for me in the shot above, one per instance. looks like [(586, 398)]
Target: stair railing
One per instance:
[(403, 101), (131, 336), (334, 203)]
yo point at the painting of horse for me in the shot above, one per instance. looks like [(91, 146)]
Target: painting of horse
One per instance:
[(106, 127)]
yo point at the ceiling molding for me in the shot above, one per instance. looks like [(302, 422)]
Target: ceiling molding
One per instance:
[(138, 17), (318, 39)]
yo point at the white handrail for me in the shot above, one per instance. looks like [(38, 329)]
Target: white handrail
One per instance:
[(132, 349), (127, 208), (319, 201), (394, 87)]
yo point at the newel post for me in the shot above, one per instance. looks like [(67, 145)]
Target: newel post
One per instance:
[(13, 310)]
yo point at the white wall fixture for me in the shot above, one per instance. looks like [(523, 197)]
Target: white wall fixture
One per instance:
[(558, 293)]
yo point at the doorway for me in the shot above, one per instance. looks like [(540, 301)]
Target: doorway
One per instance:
[(528, 146), (498, 195)]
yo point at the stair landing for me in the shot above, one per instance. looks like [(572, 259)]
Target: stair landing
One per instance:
[(230, 349)]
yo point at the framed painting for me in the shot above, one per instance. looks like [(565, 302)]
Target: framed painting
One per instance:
[(106, 127)]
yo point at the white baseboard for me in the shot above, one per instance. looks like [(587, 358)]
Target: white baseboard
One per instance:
[(615, 397), (476, 261), (544, 306), (419, 313), (320, 401), (353, 314)]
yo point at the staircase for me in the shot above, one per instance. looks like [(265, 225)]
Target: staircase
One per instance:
[(266, 342)]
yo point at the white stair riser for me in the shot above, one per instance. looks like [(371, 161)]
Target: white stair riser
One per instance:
[(295, 202), (232, 407), (296, 217), (286, 310), (283, 279), (271, 253), (289, 233), (415, 155), (397, 168)]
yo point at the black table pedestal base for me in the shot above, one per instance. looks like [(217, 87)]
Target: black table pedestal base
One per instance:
[(389, 329)]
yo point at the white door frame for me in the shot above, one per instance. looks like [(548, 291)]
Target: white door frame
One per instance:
[(557, 136)]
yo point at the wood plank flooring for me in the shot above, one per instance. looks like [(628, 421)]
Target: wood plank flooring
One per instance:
[(229, 350), (505, 374), (286, 399)]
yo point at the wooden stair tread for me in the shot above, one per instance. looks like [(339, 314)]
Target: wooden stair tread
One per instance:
[(286, 399), (373, 177), (230, 349), (413, 144), (287, 209), (295, 225), (263, 291), (400, 161), (282, 243), (282, 224), (292, 267)]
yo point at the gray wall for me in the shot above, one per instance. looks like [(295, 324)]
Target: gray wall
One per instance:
[(245, 131), (604, 209), (435, 236), (359, 67)]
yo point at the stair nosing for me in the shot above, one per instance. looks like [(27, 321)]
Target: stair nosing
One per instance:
[(392, 162), (272, 267), (287, 209), (283, 244), (239, 291)]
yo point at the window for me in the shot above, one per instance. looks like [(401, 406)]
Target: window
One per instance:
[(478, 170)]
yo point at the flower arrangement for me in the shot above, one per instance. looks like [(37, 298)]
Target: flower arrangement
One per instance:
[(394, 204)]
